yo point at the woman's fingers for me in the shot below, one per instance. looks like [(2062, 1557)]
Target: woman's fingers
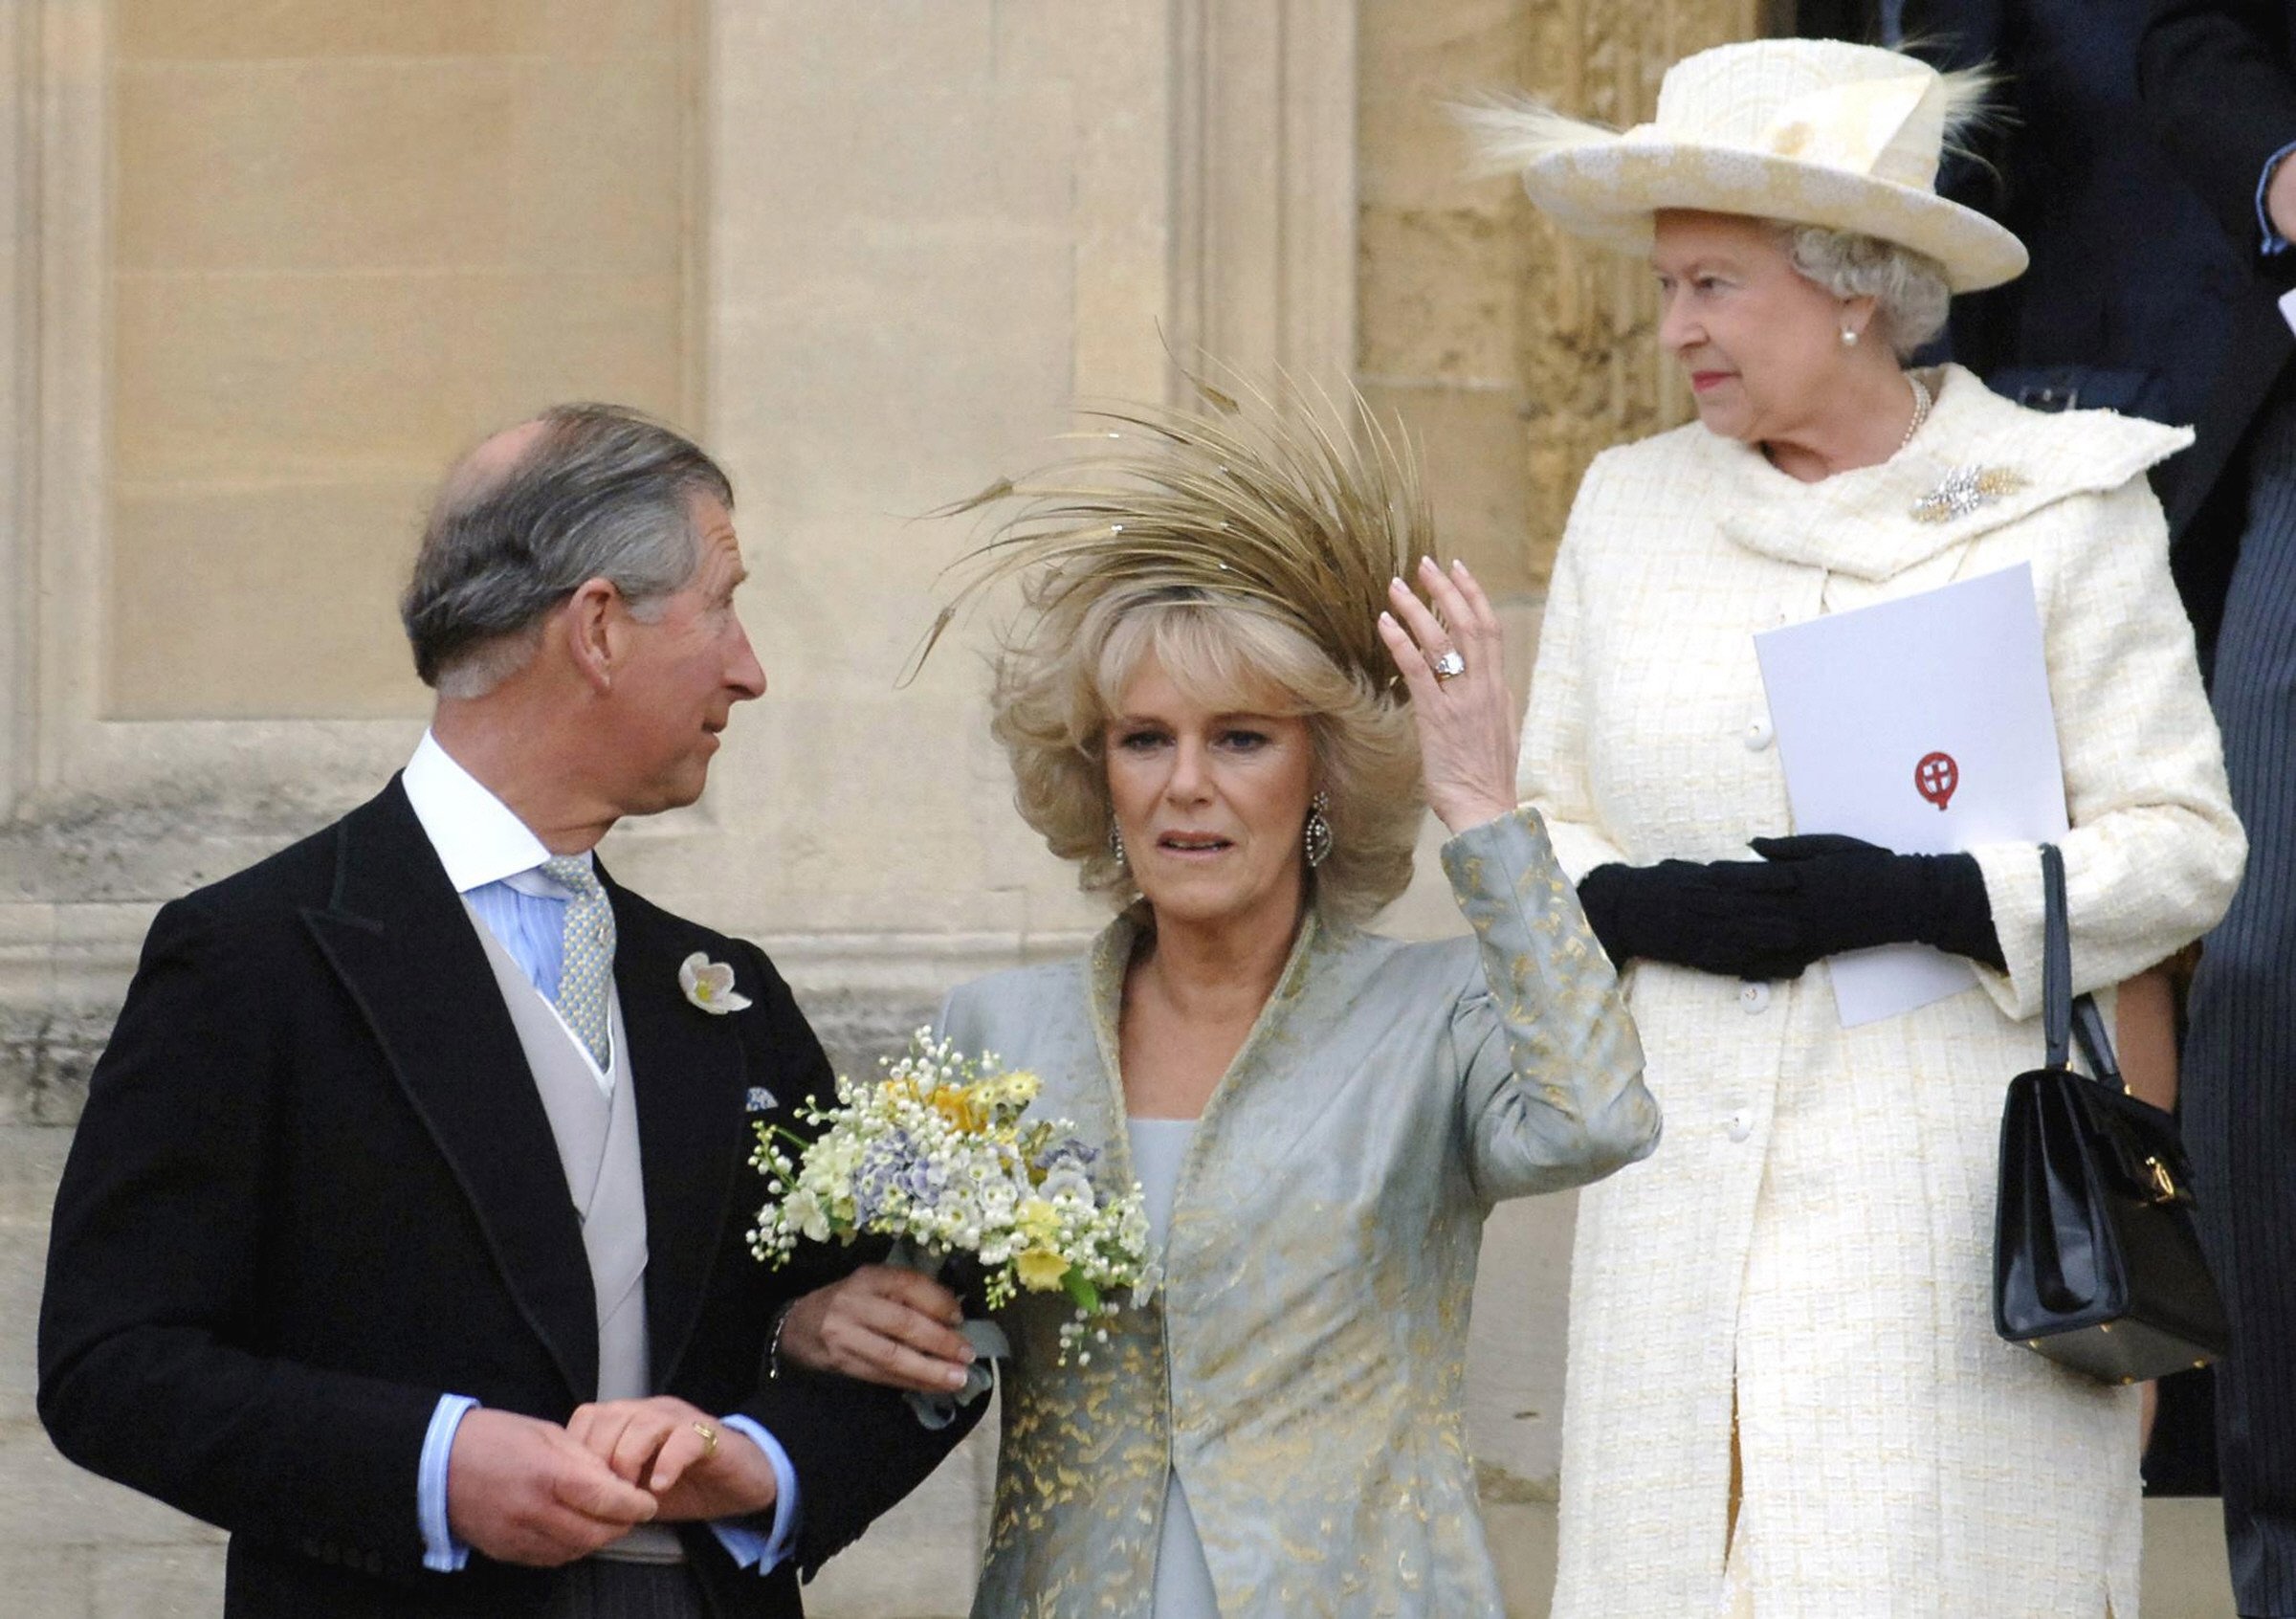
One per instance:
[(1428, 637), (1409, 662), (1480, 611), (1467, 724), (904, 1367), (898, 1321), (883, 1324), (919, 1292)]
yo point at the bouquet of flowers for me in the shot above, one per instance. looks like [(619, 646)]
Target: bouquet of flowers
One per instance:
[(938, 1155)]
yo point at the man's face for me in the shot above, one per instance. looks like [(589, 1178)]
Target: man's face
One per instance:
[(686, 667)]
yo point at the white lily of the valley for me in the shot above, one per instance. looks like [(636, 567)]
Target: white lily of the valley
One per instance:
[(709, 985)]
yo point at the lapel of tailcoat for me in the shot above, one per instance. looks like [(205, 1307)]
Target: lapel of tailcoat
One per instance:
[(404, 947)]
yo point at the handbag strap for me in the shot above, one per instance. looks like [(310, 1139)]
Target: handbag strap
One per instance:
[(2063, 1014), (2056, 960)]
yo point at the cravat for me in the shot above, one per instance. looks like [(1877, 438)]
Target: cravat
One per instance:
[(587, 974)]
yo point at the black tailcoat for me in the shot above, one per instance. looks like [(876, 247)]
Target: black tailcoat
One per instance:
[(314, 1187)]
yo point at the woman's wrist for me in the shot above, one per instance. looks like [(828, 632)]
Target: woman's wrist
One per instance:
[(1465, 815)]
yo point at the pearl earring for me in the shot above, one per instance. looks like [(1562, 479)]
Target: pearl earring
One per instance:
[(1849, 338)]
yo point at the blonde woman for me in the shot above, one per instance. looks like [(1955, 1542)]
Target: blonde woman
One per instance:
[(1203, 711), (1785, 1395)]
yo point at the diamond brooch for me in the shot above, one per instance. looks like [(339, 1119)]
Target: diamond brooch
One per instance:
[(1964, 490)]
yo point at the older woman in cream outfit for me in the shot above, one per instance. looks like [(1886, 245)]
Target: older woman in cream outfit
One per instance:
[(1785, 1396), (1206, 713)]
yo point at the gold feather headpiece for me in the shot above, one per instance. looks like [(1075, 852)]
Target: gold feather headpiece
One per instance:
[(1278, 501)]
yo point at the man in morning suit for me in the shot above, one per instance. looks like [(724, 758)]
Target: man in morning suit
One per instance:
[(404, 1232), (2219, 88)]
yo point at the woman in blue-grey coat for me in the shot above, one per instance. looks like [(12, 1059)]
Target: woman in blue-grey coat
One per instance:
[(1204, 711)]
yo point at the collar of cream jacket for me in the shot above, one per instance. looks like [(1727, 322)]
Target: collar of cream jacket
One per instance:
[(1875, 521)]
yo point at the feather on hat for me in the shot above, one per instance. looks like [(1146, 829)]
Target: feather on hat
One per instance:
[(1807, 131), (1276, 502)]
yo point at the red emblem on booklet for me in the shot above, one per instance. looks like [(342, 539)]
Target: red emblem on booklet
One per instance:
[(1935, 778)]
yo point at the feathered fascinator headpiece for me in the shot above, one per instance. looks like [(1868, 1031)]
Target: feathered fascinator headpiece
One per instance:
[(1807, 131), (1278, 502)]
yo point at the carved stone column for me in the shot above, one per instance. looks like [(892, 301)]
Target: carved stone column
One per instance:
[(1264, 184), (1515, 353)]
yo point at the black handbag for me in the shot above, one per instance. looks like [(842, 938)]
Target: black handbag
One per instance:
[(2095, 1260)]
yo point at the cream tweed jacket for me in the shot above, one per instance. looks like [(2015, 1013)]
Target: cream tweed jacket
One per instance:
[(1303, 1367), (1812, 1248)]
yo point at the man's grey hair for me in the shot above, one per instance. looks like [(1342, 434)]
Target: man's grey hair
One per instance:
[(601, 492), (1909, 289)]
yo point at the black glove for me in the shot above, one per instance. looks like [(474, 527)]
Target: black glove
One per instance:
[(1807, 898), (1729, 917), (1853, 895)]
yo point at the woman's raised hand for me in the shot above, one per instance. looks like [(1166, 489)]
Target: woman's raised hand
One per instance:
[(1453, 659)]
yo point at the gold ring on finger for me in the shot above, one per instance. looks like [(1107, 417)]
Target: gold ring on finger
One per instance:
[(709, 1439), (1449, 665)]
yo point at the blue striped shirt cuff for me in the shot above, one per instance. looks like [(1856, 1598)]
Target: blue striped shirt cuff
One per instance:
[(441, 1550), (2274, 241), (748, 1548)]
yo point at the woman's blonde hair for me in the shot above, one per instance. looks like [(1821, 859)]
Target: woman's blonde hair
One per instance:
[(1246, 549), (1055, 690)]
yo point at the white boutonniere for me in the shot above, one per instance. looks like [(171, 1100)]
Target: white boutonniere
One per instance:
[(709, 985)]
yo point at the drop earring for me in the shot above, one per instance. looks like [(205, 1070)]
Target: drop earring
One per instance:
[(1318, 839), (1116, 841)]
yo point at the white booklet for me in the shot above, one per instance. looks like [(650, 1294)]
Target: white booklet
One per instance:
[(1924, 725)]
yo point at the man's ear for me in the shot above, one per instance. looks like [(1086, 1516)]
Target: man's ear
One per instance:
[(590, 626)]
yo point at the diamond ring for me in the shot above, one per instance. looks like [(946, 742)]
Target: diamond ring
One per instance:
[(1449, 665)]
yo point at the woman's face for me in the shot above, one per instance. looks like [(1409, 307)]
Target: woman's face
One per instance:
[(1762, 343), (1211, 800)]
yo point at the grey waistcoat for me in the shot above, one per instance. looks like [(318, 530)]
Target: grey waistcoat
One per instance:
[(598, 1146)]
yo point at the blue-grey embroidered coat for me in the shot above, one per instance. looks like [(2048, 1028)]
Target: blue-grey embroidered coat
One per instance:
[(1302, 1366)]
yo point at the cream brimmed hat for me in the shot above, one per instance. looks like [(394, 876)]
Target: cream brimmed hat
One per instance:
[(1807, 131)]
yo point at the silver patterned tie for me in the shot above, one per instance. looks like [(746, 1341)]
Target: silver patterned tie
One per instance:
[(587, 974)]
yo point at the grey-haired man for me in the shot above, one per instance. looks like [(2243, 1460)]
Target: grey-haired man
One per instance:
[(403, 1236)]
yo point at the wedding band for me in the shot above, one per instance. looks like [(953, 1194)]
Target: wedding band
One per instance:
[(1449, 665), (709, 1439)]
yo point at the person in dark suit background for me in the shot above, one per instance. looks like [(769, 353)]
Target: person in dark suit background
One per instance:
[(2219, 90), (2127, 303), (403, 1236)]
